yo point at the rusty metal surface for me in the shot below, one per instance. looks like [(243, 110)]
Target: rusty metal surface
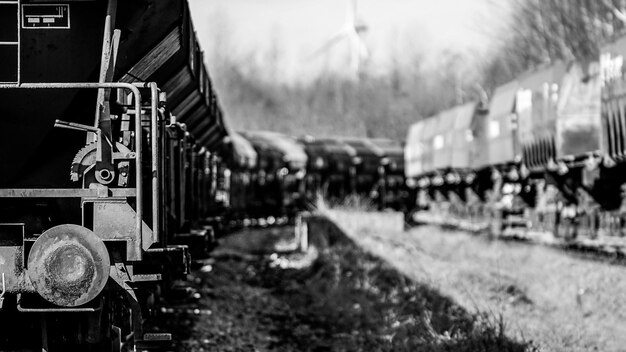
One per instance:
[(68, 265), (12, 267)]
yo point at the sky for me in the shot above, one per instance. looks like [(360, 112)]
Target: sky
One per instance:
[(290, 31)]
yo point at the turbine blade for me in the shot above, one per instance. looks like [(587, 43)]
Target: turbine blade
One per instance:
[(332, 41)]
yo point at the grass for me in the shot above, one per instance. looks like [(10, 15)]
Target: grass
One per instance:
[(352, 203), (348, 300), (560, 301), (352, 300)]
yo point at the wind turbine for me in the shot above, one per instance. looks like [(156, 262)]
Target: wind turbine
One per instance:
[(350, 32)]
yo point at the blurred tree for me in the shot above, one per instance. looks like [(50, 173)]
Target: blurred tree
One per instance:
[(544, 31)]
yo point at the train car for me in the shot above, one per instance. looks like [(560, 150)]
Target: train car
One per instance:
[(547, 157), (537, 111), (589, 170), (393, 189), (441, 154), (332, 169), (369, 169), (98, 167), (578, 151), (498, 181), (240, 179), (318, 166), (280, 192)]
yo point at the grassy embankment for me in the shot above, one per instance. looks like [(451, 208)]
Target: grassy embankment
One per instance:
[(557, 299)]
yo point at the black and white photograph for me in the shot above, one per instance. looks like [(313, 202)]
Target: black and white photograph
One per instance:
[(312, 175)]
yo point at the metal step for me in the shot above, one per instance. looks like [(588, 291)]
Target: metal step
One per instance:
[(157, 336)]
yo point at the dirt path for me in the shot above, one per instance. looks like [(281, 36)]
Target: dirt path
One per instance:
[(560, 302)]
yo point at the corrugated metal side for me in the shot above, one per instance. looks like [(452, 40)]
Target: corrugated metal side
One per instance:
[(537, 111), (612, 78), (578, 124)]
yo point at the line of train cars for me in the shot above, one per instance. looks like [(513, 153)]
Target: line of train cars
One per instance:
[(271, 177), (117, 166), (109, 135), (545, 154)]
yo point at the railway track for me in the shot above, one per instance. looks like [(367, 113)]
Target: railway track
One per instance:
[(611, 249)]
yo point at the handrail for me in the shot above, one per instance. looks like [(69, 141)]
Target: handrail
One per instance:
[(154, 105)]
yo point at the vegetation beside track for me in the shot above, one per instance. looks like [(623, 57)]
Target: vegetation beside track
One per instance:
[(347, 300), (562, 302)]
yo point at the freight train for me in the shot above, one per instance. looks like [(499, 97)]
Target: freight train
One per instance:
[(270, 177), (118, 166), (109, 132), (543, 155)]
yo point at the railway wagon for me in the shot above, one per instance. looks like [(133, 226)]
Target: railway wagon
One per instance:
[(97, 167), (368, 167), (534, 123), (318, 166), (280, 184), (331, 172), (240, 179), (441, 154), (393, 188), (552, 152), (587, 174), (577, 150), (607, 172)]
